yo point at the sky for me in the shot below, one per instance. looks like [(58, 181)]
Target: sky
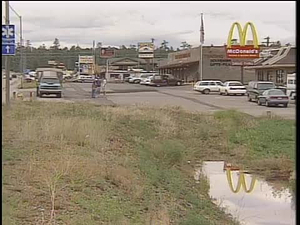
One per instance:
[(124, 23)]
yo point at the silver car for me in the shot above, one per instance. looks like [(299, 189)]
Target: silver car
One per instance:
[(273, 97)]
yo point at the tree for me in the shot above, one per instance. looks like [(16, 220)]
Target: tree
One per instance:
[(164, 45), (73, 48), (171, 49), (132, 47), (185, 45), (99, 44), (123, 47), (152, 40), (42, 47), (56, 43)]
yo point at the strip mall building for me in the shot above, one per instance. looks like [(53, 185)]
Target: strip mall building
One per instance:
[(185, 65)]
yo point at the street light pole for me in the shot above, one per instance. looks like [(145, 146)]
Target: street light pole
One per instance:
[(7, 58)]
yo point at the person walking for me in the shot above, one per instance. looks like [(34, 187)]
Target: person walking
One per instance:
[(104, 86), (94, 86), (98, 84)]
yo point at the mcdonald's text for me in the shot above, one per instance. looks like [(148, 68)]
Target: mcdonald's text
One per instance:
[(242, 52)]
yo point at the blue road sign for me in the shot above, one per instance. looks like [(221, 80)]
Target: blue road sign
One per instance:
[(8, 40), (8, 49)]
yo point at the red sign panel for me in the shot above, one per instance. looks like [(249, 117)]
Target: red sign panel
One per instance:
[(107, 53), (248, 51)]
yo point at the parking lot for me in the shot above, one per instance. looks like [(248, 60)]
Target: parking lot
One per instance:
[(182, 96)]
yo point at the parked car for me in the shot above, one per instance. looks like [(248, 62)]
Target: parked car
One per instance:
[(208, 86), (291, 86), (147, 81), (28, 78), (233, 88), (256, 88), (138, 79), (273, 97), (84, 79), (165, 80)]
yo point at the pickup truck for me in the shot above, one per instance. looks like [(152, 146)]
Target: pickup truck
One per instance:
[(49, 81)]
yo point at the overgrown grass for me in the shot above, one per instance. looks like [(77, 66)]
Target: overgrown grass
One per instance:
[(127, 165)]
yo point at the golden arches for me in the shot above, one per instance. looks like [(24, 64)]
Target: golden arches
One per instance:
[(243, 34), (241, 182)]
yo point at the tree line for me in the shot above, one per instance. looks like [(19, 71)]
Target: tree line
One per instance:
[(34, 57)]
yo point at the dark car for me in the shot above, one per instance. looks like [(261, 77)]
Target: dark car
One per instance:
[(165, 80), (273, 97), (256, 88)]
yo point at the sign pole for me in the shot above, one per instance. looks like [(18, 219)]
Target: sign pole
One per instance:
[(79, 65), (242, 73), (201, 63), (7, 58)]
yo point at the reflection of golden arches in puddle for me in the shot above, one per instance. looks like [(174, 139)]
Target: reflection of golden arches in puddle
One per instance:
[(241, 182)]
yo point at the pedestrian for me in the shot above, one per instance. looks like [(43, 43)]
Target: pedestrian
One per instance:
[(98, 84), (104, 86), (94, 86)]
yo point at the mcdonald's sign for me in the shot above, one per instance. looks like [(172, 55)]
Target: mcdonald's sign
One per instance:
[(241, 182), (242, 50)]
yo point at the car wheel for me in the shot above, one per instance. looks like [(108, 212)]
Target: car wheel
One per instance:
[(267, 104), (242, 94), (249, 98), (206, 91), (59, 95), (136, 81), (285, 105), (258, 102), (226, 93), (220, 93), (178, 83)]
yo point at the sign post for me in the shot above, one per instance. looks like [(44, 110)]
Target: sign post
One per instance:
[(8, 48)]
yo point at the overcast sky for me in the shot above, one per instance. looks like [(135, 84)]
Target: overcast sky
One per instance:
[(125, 23)]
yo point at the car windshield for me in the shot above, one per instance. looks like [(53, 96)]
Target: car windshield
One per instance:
[(49, 80), (265, 86), (275, 92), (235, 84)]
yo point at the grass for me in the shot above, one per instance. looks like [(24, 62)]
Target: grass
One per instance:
[(27, 85), (68, 163)]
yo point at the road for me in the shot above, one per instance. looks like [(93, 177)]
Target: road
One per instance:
[(183, 96)]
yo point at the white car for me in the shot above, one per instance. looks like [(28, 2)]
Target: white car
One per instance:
[(233, 88), (85, 78), (147, 81), (208, 86), (138, 79)]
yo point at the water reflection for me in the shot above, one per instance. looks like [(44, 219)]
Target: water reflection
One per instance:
[(256, 204)]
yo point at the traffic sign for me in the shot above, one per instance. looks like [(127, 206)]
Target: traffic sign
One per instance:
[(8, 40), (8, 49)]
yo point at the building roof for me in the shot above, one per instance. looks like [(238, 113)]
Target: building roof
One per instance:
[(283, 57)]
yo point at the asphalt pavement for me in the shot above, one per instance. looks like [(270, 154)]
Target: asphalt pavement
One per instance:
[(182, 96)]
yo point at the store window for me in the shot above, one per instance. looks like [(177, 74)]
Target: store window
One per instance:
[(279, 76), (260, 75), (269, 76)]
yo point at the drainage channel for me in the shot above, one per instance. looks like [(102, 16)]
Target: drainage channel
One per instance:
[(193, 100), (249, 199)]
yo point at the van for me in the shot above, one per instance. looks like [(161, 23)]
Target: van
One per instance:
[(291, 86), (256, 88)]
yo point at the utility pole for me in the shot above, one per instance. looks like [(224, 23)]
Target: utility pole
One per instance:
[(7, 58), (21, 50)]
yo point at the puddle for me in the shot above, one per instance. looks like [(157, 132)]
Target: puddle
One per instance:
[(256, 204)]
